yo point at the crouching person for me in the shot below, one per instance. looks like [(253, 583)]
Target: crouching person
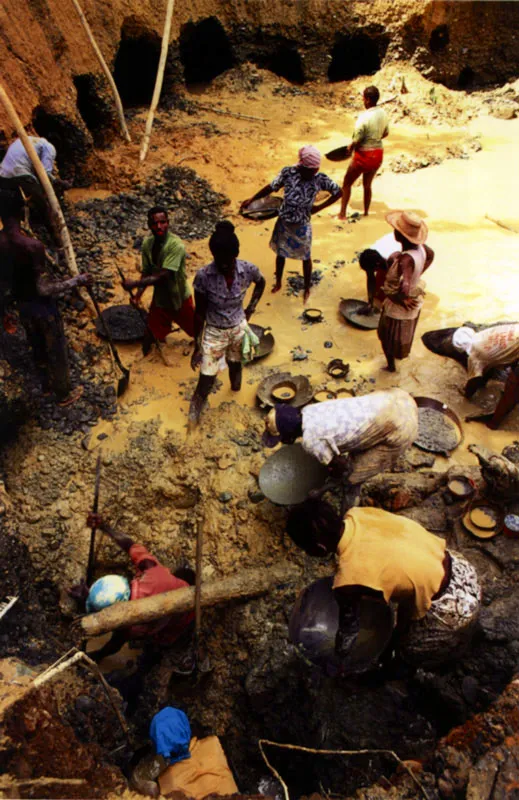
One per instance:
[(437, 592)]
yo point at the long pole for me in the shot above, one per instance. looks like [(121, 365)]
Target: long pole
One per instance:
[(104, 67), (56, 213), (158, 82), (198, 586)]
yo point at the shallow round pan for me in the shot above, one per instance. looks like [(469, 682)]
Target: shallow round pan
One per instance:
[(350, 311), (289, 474), (339, 154), (484, 533), (303, 388), (265, 208), (266, 342), (315, 619), (437, 405), (124, 323)]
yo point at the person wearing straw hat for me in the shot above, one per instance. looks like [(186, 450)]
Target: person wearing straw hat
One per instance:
[(404, 287), (292, 234)]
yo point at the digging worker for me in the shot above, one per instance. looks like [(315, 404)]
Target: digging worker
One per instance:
[(374, 261), (292, 234), (17, 168), (403, 286), (164, 268), (152, 578), (23, 278), (222, 333), (388, 556), (494, 347), (367, 149), (357, 437)]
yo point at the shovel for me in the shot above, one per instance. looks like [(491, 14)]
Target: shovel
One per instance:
[(124, 381), (144, 319), (95, 509)]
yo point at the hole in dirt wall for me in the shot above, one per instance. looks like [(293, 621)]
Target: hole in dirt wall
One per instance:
[(96, 112), (72, 144), (284, 61), (135, 68), (439, 39), (205, 51), (466, 78), (355, 55)]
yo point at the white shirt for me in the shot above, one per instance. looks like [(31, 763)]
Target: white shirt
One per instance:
[(17, 163), (387, 245)]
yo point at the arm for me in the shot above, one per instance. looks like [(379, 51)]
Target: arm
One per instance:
[(371, 285), (258, 196), (402, 297), (348, 599), (147, 280), (49, 288), (259, 288), (332, 199), (122, 539), (200, 315), (429, 257)]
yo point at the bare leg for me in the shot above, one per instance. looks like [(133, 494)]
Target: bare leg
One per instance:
[(204, 386), (391, 366), (235, 372), (352, 173), (280, 266), (307, 275), (367, 180)]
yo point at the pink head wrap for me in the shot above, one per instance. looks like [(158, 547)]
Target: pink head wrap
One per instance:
[(309, 156)]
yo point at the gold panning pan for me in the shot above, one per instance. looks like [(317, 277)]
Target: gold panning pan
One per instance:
[(289, 474), (301, 385)]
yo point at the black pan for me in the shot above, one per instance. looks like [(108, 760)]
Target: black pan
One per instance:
[(123, 322), (302, 386), (289, 474), (439, 446), (350, 311), (266, 343), (315, 619), (339, 154), (265, 208)]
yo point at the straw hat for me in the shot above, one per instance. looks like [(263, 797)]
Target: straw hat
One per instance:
[(409, 224)]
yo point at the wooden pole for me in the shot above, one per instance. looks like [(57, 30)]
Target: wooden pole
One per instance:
[(198, 586), (104, 67), (158, 82), (55, 209), (244, 584)]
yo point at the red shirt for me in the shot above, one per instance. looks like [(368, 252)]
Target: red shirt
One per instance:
[(149, 582)]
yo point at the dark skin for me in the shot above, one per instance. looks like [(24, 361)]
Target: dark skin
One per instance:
[(159, 226), (507, 401), (354, 171), (307, 174), (406, 266), (226, 265)]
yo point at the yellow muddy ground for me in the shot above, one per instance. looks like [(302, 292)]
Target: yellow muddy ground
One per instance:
[(474, 275)]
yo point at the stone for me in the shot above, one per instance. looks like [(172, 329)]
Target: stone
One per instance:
[(224, 497), (255, 495), (504, 112)]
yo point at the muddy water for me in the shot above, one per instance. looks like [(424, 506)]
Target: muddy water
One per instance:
[(474, 275)]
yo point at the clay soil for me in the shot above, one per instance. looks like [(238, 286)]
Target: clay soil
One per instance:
[(448, 158)]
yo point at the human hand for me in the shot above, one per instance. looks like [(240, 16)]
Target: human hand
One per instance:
[(85, 279), (79, 591), (410, 303), (249, 311), (95, 520), (196, 359), (128, 284)]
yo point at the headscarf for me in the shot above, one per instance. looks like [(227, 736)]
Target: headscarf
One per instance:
[(106, 591), (463, 339), (171, 734), (283, 424), (309, 156)]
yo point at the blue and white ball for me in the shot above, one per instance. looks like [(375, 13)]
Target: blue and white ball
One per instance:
[(106, 591)]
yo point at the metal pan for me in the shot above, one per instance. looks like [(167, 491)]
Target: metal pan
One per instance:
[(265, 208), (441, 447), (289, 474), (303, 388), (350, 311), (123, 322), (339, 154), (493, 511), (266, 344), (315, 619)]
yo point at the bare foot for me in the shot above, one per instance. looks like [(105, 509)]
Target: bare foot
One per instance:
[(276, 288), (389, 369), (341, 216)]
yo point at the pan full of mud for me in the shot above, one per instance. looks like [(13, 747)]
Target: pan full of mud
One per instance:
[(358, 314), (266, 342), (439, 428), (289, 474), (266, 390), (124, 323), (265, 208), (315, 619)]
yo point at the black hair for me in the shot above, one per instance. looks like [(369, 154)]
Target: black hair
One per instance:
[(11, 203), (314, 522), (224, 243), (372, 93), (371, 260), (157, 210)]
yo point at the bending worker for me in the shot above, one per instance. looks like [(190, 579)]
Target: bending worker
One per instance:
[(494, 347), (374, 261), (164, 268), (384, 555), (357, 437)]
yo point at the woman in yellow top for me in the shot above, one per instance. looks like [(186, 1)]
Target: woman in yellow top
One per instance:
[(382, 554)]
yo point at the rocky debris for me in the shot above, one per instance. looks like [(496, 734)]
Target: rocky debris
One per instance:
[(431, 158), (299, 354), (501, 474), (296, 282)]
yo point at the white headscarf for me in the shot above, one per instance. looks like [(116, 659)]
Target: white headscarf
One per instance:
[(463, 339)]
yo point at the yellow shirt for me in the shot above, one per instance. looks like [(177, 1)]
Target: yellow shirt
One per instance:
[(206, 772), (392, 555)]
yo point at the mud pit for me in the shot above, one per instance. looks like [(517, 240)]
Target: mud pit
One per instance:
[(445, 158)]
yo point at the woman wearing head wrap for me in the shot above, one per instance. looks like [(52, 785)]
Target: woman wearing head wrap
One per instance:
[(403, 287), (221, 322), (292, 234), (494, 347)]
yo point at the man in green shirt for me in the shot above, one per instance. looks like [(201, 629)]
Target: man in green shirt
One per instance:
[(164, 268)]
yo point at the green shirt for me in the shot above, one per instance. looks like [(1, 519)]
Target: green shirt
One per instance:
[(171, 292)]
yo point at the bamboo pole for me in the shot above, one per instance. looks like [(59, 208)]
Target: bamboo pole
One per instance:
[(104, 67), (158, 82), (244, 584), (55, 209)]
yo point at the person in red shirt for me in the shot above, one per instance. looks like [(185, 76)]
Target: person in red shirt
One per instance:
[(151, 578)]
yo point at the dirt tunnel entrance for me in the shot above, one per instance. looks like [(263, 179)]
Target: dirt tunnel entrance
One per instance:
[(205, 51), (135, 68), (96, 111), (354, 55)]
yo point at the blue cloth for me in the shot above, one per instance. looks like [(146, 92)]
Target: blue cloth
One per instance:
[(171, 734), (106, 591)]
